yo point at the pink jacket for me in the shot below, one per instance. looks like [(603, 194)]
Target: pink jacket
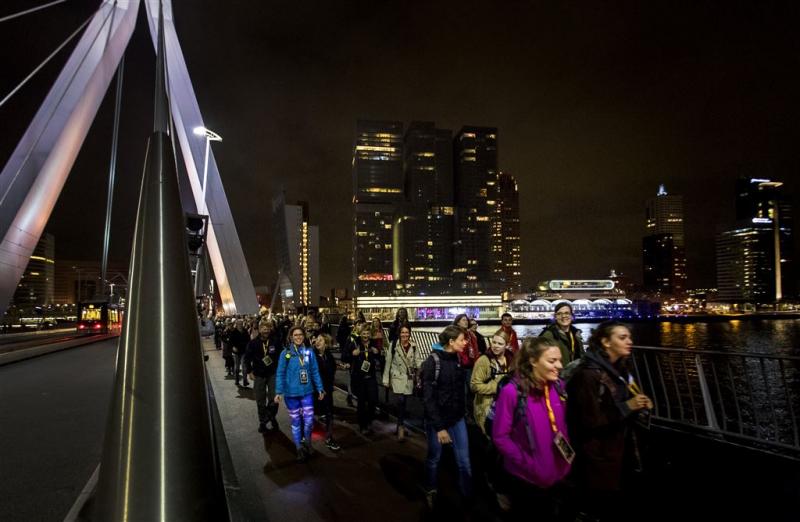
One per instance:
[(544, 466)]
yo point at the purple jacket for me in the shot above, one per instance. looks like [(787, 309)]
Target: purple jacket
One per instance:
[(543, 466)]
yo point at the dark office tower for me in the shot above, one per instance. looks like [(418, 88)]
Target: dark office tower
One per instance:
[(505, 258), (755, 260), (38, 281), (428, 169), (377, 194), (475, 158), (664, 269), (658, 252)]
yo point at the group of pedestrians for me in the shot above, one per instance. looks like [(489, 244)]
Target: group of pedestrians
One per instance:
[(556, 444), (556, 421)]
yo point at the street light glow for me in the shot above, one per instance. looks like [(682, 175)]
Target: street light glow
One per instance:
[(208, 133)]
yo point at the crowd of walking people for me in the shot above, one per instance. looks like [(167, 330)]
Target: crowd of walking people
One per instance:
[(545, 426)]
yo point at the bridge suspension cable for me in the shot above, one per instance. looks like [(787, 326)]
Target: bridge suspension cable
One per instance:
[(31, 10), (39, 67)]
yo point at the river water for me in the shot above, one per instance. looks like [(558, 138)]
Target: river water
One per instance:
[(766, 336)]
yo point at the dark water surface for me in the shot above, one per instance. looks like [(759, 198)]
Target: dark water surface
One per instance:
[(767, 336)]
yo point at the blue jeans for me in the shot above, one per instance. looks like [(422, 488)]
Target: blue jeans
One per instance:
[(458, 434)]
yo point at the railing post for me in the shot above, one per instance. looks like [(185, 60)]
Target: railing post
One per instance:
[(711, 415)]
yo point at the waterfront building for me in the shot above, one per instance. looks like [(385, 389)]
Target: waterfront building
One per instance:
[(506, 248), (475, 156), (296, 244), (755, 259), (424, 262), (378, 193), (37, 285), (663, 245)]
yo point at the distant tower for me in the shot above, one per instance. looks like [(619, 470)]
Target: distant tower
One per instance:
[(297, 251), (378, 193), (506, 256), (755, 259), (663, 246), (475, 156)]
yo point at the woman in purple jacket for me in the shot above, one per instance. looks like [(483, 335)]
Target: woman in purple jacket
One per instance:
[(530, 431)]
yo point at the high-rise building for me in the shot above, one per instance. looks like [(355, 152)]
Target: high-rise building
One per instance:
[(663, 247), (475, 157), (36, 287), (506, 257), (425, 244), (755, 259), (297, 251), (378, 193)]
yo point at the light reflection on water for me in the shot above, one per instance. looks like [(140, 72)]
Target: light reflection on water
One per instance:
[(776, 336)]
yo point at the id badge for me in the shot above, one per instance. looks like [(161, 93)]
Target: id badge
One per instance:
[(267, 360), (303, 376), (365, 366), (564, 448)]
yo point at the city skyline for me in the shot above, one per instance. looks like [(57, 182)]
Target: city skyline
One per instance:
[(594, 113)]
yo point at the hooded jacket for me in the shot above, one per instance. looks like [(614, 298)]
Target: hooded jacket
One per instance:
[(542, 465), (444, 398)]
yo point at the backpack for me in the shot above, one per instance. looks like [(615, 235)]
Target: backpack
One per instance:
[(520, 412)]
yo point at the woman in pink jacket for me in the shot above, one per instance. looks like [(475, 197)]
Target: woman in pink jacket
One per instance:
[(530, 431)]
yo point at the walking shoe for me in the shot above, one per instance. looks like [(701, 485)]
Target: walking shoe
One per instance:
[(262, 427), (301, 454), (331, 444), (275, 426), (430, 498)]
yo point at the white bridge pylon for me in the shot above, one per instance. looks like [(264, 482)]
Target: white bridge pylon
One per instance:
[(31, 181)]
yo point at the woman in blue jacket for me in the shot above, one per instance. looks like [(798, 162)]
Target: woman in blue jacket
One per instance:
[(297, 378)]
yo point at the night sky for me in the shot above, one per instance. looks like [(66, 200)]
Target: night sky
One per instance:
[(596, 104)]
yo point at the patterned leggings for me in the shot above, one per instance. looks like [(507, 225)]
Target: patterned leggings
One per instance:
[(301, 412)]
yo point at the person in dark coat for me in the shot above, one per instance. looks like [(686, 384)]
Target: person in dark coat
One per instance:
[(362, 358), (343, 332), (603, 405), (327, 370), (261, 363), (239, 337), (400, 319), (445, 410), (564, 333)]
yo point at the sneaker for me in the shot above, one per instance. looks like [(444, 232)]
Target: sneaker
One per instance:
[(262, 427), (430, 498), (275, 426), (331, 444)]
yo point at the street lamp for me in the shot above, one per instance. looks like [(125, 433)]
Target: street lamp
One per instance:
[(210, 136)]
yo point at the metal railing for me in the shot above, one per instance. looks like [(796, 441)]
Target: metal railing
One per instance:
[(746, 397)]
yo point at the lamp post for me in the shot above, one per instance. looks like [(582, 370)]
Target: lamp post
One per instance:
[(210, 136)]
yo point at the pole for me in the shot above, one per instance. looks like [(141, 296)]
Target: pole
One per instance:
[(205, 174)]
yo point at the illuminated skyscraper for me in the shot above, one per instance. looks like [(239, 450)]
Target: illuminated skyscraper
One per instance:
[(663, 247), (755, 260), (296, 244), (378, 192), (425, 231), (475, 156), (506, 257)]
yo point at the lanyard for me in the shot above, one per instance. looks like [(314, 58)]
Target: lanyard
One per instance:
[(571, 342), (633, 387), (550, 413), (300, 357)]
